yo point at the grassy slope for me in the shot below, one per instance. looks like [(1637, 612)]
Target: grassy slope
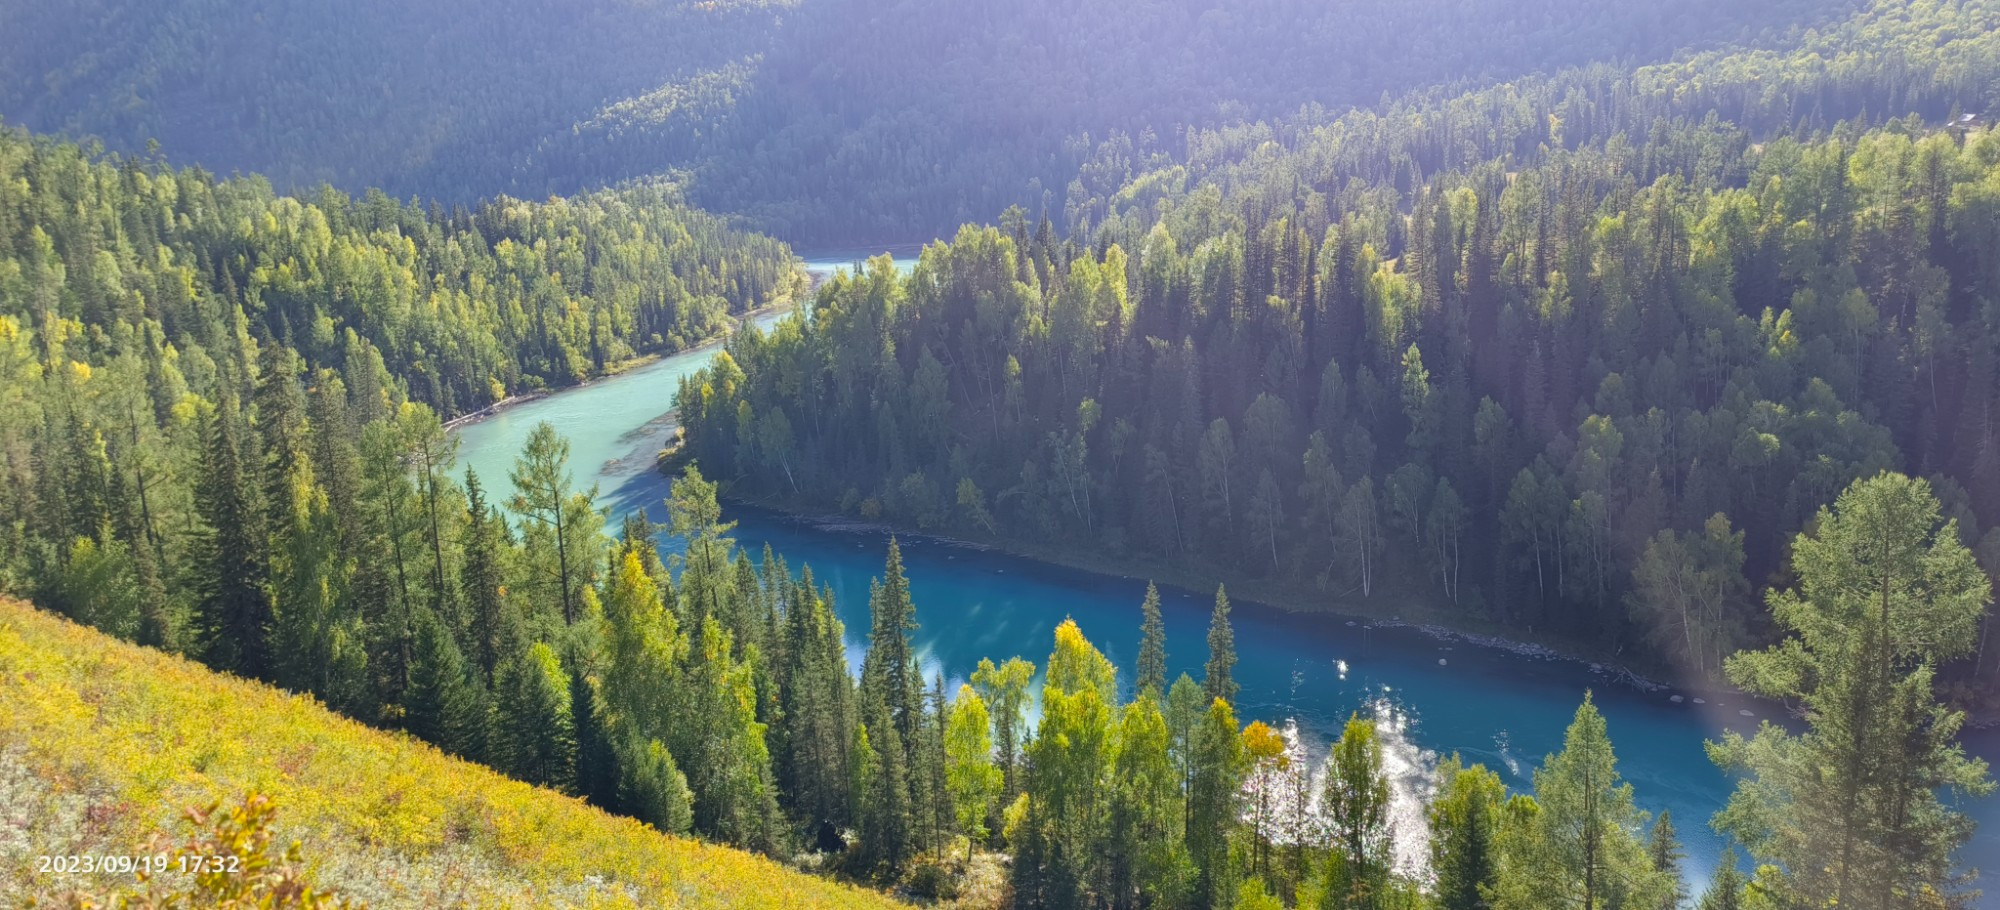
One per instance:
[(102, 742)]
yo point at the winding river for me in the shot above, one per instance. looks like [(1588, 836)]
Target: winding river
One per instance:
[(1504, 707)]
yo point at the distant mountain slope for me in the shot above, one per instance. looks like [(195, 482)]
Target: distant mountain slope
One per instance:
[(102, 742), (820, 118), (354, 92)]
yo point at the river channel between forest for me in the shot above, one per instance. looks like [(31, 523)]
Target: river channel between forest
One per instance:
[(1501, 705)]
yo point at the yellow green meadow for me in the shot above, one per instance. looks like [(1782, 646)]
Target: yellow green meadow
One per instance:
[(103, 744)]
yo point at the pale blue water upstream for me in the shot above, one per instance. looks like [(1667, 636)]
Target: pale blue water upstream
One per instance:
[(1491, 705)]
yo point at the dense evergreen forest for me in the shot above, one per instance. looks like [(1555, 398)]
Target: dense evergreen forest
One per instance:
[(833, 121), (1598, 354), (184, 277), (1575, 355)]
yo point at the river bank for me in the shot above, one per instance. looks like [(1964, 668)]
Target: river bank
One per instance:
[(1456, 685), (1440, 622), (613, 371)]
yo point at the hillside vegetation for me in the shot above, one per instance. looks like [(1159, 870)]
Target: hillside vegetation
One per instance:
[(826, 120), (103, 740)]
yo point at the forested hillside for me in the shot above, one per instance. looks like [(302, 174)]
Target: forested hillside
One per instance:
[(180, 276), (1695, 364), (837, 121), (358, 93), (1575, 355)]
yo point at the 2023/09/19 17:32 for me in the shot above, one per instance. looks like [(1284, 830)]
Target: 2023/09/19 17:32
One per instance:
[(150, 864)]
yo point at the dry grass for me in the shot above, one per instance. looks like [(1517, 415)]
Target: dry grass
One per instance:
[(103, 743)]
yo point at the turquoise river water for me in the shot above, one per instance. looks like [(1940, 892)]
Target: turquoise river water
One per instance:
[(1503, 706)]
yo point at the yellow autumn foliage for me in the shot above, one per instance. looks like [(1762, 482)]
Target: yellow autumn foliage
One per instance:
[(122, 738)]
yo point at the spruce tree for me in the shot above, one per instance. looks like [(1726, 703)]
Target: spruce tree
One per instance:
[(536, 727), (1184, 712), (817, 709), (1218, 681), (886, 670), (1152, 663), (482, 587), (233, 610), (1725, 887), (939, 814), (1464, 817), (444, 704), (1663, 845), (714, 730), (694, 515), (599, 770), (885, 794)]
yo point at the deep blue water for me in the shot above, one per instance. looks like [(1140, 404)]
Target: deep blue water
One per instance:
[(1491, 705)]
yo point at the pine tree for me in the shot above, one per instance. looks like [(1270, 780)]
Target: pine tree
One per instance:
[(599, 768), (1663, 845), (444, 705), (1213, 792), (1849, 810), (495, 624), (1152, 664), (562, 524), (1217, 680), (885, 792), (1581, 847), (1725, 888), (652, 789)]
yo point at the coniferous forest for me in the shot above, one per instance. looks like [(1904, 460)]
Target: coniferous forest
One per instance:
[(1667, 336)]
